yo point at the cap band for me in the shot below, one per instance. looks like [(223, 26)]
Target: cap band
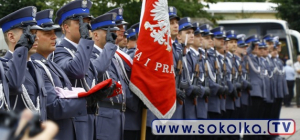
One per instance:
[(6, 26), (73, 12), (119, 17), (184, 25), (101, 24)]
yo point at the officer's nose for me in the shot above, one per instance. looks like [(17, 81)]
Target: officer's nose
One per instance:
[(36, 38)]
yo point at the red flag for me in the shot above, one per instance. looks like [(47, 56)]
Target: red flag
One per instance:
[(152, 78)]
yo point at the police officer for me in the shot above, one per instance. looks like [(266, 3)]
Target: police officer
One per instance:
[(196, 64), (111, 111), (104, 47), (257, 92), (131, 47), (186, 35), (194, 58), (214, 111), (73, 54), (268, 80), (123, 44), (231, 43), (241, 61), (13, 64), (60, 110), (32, 94), (120, 22), (224, 64), (275, 112)]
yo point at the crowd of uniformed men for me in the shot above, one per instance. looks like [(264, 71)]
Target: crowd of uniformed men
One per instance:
[(219, 74)]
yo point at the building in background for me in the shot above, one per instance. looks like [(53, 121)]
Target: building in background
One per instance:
[(242, 10)]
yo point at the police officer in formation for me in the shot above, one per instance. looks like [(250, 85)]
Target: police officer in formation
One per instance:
[(218, 74)]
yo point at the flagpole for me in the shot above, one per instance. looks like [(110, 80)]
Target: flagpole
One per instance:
[(144, 120)]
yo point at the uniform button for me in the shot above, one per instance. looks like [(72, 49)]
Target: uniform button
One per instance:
[(88, 47), (19, 55)]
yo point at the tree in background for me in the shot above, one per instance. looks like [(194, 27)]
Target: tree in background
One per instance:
[(289, 10), (132, 8), (242, 0), (9, 6)]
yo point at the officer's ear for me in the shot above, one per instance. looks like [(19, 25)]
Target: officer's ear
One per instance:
[(13, 36), (95, 34), (65, 26)]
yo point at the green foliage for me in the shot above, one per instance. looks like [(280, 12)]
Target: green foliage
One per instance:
[(289, 10), (132, 8), (242, 0), (8, 6)]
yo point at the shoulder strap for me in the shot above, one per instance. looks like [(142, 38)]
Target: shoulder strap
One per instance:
[(28, 102), (46, 70)]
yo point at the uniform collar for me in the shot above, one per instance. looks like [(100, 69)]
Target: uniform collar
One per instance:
[(98, 48), (37, 56), (187, 49), (202, 50), (196, 52), (230, 54), (73, 43), (238, 58), (218, 54)]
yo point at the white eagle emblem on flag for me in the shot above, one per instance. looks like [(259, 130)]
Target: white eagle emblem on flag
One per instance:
[(160, 14)]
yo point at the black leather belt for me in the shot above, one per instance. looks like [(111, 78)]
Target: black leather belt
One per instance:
[(92, 110), (121, 107)]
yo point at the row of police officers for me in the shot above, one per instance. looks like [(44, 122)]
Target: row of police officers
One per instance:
[(219, 75), (224, 75)]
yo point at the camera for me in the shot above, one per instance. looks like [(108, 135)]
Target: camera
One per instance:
[(9, 123)]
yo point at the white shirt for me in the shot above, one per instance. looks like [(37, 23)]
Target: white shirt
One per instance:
[(297, 67), (98, 48), (73, 43), (11, 52), (289, 73), (230, 54), (196, 52), (201, 49)]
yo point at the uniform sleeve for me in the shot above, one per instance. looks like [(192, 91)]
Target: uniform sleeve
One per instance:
[(76, 67), (61, 108), (189, 70), (104, 60), (16, 70)]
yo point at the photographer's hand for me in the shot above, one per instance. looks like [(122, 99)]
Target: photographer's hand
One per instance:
[(49, 128)]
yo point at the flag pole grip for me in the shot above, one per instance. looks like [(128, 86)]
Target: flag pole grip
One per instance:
[(144, 120)]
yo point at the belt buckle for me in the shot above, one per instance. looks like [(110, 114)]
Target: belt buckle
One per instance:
[(123, 107)]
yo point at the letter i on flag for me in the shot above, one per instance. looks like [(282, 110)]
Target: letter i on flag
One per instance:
[(152, 78)]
